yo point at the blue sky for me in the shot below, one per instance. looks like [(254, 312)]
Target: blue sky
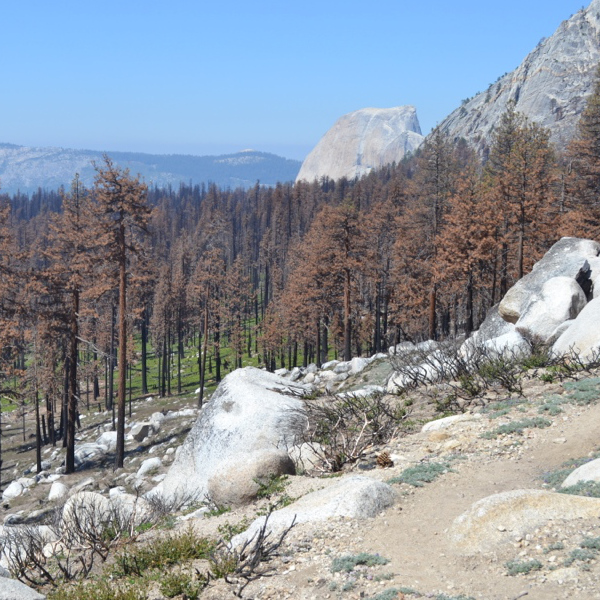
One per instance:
[(200, 77)]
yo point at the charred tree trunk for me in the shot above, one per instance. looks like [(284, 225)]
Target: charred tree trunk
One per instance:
[(72, 386), (144, 352)]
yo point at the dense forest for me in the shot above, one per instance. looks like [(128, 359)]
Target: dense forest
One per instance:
[(98, 284)]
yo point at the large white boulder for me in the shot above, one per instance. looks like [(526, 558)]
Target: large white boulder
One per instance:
[(492, 327), (583, 335), (86, 512), (140, 431), (58, 491), (150, 465), (14, 490), (11, 589), (108, 439), (250, 411), (569, 257), (559, 300), (355, 497), (238, 480), (88, 452), (588, 472), (129, 510)]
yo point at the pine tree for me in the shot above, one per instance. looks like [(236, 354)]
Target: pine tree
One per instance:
[(419, 228), (123, 214), (520, 177), (580, 209), (69, 252)]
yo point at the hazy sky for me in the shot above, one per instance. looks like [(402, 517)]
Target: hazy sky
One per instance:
[(206, 77)]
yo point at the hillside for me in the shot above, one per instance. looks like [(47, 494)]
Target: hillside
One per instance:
[(464, 460), (26, 169), (550, 86)]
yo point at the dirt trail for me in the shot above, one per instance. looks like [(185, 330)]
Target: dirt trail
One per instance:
[(414, 537)]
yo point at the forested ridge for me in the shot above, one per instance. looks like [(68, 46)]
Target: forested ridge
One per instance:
[(99, 284)]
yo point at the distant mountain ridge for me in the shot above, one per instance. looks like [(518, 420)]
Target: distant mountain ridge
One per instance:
[(26, 169)]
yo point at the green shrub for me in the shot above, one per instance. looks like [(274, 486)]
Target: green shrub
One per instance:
[(592, 543), (409, 591), (551, 409), (179, 583), (554, 546), (580, 554), (165, 551), (274, 484), (517, 427), (584, 391), (522, 567), (386, 595), (227, 531), (591, 489), (223, 563), (503, 406), (346, 564), (419, 475), (98, 590)]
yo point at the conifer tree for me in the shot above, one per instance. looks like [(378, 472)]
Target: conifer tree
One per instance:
[(123, 214), (580, 209), (69, 252), (520, 177), (419, 228)]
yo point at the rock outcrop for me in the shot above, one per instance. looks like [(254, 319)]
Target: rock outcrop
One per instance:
[(550, 86), (11, 589), (355, 497), (361, 141), (582, 335), (554, 293), (250, 412), (588, 472), (496, 520)]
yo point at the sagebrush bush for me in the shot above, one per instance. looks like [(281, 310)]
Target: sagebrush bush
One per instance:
[(522, 567), (592, 543), (420, 474), (347, 563), (591, 489), (517, 427)]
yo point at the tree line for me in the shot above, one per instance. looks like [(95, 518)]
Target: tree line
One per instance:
[(95, 280)]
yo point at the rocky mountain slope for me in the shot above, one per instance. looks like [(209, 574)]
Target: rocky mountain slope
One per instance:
[(550, 86), (25, 169), (361, 141)]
